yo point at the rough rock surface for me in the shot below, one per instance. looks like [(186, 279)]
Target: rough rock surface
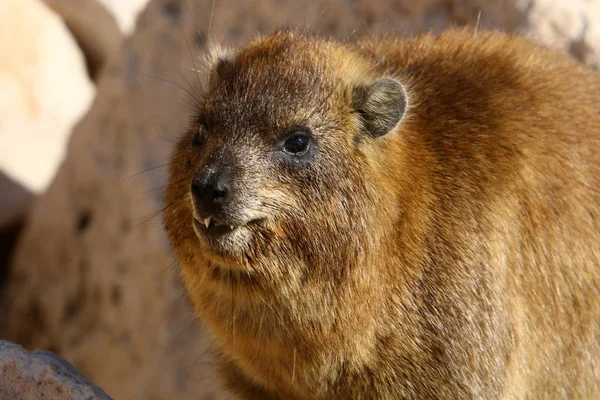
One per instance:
[(40, 374), (93, 279), (39, 63)]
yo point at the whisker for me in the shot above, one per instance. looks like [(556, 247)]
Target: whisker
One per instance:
[(154, 189), (187, 43), (171, 161), (212, 11), (165, 273), (203, 356), (148, 170), (169, 140), (188, 327), (189, 84), (188, 105), (233, 290), (193, 19), (165, 186), (294, 367), (353, 33), (148, 218), (175, 302), (323, 12), (175, 207), (178, 86), (262, 319), (477, 23)]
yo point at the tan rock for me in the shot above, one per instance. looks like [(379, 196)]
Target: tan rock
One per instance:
[(572, 26), (44, 90), (40, 374), (93, 278)]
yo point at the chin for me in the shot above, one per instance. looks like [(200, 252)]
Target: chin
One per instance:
[(226, 248)]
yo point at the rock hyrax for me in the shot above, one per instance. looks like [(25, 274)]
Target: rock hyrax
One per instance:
[(395, 219)]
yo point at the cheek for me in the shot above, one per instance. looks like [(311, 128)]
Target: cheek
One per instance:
[(178, 222), (177, 212), (277, 197), (180, 178), (346, 200)]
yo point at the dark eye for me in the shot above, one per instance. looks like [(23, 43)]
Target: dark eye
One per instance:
[(197, 139), (297, 144)]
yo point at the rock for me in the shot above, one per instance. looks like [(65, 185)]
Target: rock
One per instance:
[(93, 26), (40, 374), (572, 26), (14, 202), (44, 90), (93, 278), (107, 296)]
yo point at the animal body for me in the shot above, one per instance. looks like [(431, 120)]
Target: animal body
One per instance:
[(411, 218)]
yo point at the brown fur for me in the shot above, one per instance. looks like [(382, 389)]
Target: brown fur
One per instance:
[(455, 257)]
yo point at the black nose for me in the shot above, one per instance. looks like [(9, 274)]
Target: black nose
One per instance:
[(211, 192)]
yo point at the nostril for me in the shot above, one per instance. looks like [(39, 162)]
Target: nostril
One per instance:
[(197, 188), (210, 191), (220, 192)]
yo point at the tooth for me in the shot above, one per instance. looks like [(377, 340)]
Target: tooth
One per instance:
[(207, 221), (231, 227)]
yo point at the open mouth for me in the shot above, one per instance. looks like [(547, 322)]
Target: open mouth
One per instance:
[(212, 226)]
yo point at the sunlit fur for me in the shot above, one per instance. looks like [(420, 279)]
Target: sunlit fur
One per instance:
[(455, 257)]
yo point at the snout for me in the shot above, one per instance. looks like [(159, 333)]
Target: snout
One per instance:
[(211, 192), (223, 198), (218, 214)]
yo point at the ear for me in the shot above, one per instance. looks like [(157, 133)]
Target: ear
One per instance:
[(219, 61), (381, 105)]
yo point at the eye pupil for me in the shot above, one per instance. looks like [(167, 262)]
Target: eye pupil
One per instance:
[(296, 144), (197, 139)]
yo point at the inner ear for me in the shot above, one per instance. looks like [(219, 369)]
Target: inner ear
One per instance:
[(381, 105), (219, 70)]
